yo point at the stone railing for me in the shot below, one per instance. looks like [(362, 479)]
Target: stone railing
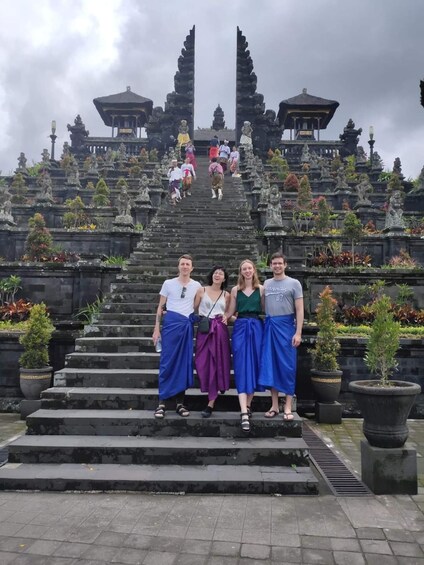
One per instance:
[(292, 150), (99, 145)]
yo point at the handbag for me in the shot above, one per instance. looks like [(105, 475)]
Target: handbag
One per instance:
[(205, 323)]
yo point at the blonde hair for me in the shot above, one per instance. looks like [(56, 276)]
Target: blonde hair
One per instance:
[(241, 283)]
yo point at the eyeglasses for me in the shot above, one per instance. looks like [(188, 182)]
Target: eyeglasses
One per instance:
[(183, 292)]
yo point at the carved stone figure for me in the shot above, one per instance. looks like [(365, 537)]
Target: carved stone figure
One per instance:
[(306, 156), (183, 135), (73, 173), (78, 136), (6, 218), (122, 154), (394, 215), (109, 159), (377, 162), (45, 196), (350, 139), (397, 168), (363, 190), (143, 191), (341, 183), (265, 191), (246, 134), (361, 157), (273, 211), (124, 202), (45, 159), (66, 150), (93, 169), (22, 161), (325, 170)]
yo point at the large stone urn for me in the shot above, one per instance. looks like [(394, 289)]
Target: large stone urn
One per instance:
[(34, 381), (385, 410)]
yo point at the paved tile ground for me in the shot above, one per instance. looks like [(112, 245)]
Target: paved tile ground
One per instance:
[(92, 528)]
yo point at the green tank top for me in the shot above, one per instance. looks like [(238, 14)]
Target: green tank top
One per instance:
[(249, 304)]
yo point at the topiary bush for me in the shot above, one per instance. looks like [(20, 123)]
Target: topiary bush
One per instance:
[(36, 339)]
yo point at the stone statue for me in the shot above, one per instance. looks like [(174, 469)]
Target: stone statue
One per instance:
[(109, 159), (363, 190), (66, 150), (397, 168), (325, 170), (45, 195), (6, 217), (341, 183), (246, 134), (124, 202), (273, 211), (93, 168), (22, 161), (306, 156), (313, 161), (361, 157), (78, 136), (183, 135), (265, 191), (377, 162), (122, 154), (394, 215), (45, 159), (143, 191), (73, 173)]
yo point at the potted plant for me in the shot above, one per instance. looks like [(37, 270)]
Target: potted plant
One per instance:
[(35, 373), (385, 404), (326, 375)]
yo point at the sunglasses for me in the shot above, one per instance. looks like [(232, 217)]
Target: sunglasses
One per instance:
[(183, 292)]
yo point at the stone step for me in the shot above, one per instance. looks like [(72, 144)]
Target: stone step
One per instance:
[(224, 479), (129, 307), (143, 423), (129, 330), (86, 397), (91, 450), (122, 378), (125, 318), (131, 360)]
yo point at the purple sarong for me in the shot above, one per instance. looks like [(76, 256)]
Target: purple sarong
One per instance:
[(176, 360), (279, 356), (247, 342), (213, 358)]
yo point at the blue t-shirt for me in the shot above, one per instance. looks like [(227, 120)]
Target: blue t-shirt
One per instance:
[(280, 296)]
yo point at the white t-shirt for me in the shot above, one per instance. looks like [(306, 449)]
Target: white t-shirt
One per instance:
[(174, 174), (174, 290)]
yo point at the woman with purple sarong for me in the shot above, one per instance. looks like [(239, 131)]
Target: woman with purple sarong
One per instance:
[(190, 153), (213, 356), (246, 300)]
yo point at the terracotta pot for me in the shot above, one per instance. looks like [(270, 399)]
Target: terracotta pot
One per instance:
[(34, 381), (385, 410), (326, 384)]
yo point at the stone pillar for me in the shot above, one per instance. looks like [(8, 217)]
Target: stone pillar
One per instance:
[(274, 237)]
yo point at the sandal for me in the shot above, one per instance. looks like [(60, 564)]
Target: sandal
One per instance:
[(182, 411), (206, 413), (160, 412), (249, 411), (245, 422), (288, 416), (271, 413)]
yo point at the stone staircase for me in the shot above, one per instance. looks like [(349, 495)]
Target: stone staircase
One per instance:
[(95, 429)]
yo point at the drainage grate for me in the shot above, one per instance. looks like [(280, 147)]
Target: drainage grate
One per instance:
[(340, 480)]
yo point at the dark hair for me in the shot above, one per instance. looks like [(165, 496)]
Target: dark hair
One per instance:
[(209, 276), (278, 255), (214, 159)]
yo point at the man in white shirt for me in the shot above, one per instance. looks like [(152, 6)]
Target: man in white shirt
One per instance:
[(176, 361), (174, 178)]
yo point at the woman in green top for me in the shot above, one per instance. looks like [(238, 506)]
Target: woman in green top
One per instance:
[(246, 301)]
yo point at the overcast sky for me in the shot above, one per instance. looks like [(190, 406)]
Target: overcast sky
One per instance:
[(57, 55)]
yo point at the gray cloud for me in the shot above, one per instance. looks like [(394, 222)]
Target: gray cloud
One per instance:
[(367, 55)]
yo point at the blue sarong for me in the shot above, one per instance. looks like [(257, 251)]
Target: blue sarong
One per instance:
[(176, 360), (247, 342), (279, 357)]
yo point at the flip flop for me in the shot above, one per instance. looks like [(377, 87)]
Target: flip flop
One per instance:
[(288, 416), (271, 413)]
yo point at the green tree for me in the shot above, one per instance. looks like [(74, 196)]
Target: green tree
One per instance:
[(327, 345), (304, 195), (36, 339), (353, 230), (75, 216), (101, 194), (324, 215), (39, 242), (384, 341), (19, 189)]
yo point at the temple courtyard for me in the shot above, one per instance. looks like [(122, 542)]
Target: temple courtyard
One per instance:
[(92, 528)]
